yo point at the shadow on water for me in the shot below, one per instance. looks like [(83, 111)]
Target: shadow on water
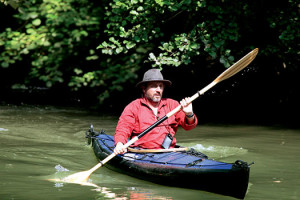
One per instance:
[(38, 143)]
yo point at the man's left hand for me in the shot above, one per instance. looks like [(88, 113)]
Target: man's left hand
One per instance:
[(187, 106)]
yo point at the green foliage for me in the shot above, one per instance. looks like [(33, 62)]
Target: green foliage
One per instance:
[(110, 77), (57, 40), (134, 23), (49, 33), (285, 23), (207, 28)]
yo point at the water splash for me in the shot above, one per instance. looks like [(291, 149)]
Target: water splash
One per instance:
[(58, 185), (220, 151), (200, 147), (60, 168), (217, 152)]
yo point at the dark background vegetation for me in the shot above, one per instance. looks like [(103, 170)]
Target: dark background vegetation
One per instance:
[(91, 54)]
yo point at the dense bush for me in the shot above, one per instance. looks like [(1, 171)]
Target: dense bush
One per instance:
[(103, 44)]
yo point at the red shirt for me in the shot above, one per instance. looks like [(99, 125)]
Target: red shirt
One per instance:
[(138, 116)]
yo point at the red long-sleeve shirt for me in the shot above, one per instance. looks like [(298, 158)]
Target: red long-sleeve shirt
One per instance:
[(138, 116)]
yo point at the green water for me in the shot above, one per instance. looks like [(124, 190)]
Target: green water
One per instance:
[(39, 143)]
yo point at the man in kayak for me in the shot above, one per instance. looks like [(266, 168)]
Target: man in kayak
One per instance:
[(143, 112)]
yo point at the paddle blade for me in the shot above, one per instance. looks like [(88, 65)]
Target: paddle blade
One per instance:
[(238, 66), (83, 177), (79, 177)]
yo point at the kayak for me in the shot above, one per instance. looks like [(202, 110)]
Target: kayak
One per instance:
[(182, 168)]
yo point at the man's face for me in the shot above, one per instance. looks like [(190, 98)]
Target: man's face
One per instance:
[(154, 91)]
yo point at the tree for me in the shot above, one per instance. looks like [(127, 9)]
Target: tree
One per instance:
[(57, 40)]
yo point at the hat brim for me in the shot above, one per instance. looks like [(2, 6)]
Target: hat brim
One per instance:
[(166, 82)]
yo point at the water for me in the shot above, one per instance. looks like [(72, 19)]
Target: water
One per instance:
[(40, 143)]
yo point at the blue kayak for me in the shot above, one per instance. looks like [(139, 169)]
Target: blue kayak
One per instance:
[(188, 169)]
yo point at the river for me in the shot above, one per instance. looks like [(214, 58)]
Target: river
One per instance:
[(43, 142)]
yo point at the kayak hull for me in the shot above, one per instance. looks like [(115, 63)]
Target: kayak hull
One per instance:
[(180, 169)]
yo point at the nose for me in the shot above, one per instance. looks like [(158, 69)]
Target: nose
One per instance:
[(158, 88)]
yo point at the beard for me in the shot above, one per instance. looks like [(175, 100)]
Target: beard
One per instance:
[(154, 98)]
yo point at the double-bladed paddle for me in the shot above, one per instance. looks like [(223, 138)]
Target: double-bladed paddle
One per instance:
[(82, 177)]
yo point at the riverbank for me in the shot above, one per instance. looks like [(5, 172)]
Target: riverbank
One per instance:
[(211, 109)]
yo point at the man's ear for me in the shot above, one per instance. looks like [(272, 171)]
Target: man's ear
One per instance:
[(143, 89)]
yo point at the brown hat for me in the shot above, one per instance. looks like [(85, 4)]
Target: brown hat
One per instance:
[(153, 75)]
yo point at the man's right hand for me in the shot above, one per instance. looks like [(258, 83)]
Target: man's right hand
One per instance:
[(120, 148)]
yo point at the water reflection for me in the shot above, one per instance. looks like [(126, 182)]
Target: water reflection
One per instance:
[(131, 193)]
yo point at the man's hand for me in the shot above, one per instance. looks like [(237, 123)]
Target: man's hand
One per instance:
[(120, 149), (187, 106)]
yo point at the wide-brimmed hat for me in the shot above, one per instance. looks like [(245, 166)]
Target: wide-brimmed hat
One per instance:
[(153, 75)]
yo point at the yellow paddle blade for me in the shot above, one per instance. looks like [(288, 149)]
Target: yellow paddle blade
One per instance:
[(83, 177), (79, 177), (238, 66), (235, 68)]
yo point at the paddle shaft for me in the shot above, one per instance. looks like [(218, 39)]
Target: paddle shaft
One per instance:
[(235, 68)]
